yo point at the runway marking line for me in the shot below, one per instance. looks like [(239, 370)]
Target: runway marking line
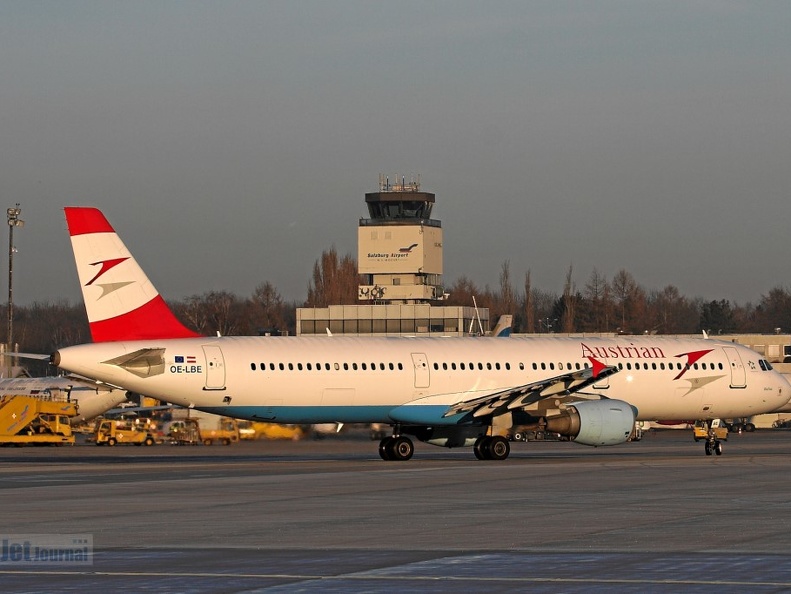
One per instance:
[(403, 578)]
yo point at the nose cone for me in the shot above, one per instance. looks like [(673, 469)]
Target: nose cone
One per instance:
[(783, 393)]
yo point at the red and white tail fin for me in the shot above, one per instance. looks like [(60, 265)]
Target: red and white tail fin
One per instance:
[(121, 302)]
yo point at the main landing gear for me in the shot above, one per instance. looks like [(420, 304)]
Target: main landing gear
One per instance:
[(491, 447), (396, 447)]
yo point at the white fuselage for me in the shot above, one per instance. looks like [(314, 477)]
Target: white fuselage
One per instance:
[(351, 379)]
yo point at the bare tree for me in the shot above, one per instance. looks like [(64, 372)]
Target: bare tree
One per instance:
[(462, 291), (335, 280), (213, 312), (569, 302), (672, 313), (505, 301), (623, 287), (774, 311), (529, 306), (597, 303), (266, 309)]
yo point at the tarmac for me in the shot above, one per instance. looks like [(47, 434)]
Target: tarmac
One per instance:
[(330, 516)]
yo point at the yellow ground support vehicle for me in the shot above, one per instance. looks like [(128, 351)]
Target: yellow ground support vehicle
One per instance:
[(223, 430), (251, 430), (115, 432), (26, 420), (701, 430), (184, 432)]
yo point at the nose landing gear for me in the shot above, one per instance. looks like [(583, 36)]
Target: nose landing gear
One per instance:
[(713, 446)]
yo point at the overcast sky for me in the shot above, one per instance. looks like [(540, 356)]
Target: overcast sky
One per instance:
[(231, 142)]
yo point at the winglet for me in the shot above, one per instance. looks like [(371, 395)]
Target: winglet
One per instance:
[(120, 301), (598, 366)]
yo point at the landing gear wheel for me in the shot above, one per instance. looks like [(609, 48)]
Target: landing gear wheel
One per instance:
[(718, 448), (498, 448), (396, 448), (479, 449), (384, 449), (707, 447), (491, 448), (402, 448)]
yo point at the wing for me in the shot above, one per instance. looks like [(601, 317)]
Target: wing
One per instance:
[(561, 386), (92, 383)]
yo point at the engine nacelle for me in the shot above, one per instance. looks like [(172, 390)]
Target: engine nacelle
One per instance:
[(595, 422)]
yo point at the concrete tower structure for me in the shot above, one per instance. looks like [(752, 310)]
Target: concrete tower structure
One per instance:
[(399, 259), (399, 248)]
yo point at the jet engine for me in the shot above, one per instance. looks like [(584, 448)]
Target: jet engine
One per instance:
[(595, 422)]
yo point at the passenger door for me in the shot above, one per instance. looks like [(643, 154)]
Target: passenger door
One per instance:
[(738, 374), (422, 375)]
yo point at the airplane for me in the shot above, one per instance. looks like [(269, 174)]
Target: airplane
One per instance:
[(91, 399), (450, 391)]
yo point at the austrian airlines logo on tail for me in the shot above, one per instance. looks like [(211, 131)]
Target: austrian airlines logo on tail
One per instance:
[(108, 288), (106, 265)]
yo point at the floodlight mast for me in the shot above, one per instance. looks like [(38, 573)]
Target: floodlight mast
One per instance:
[(13, 221)]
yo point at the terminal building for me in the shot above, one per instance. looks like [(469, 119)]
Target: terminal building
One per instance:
[(399, 260)]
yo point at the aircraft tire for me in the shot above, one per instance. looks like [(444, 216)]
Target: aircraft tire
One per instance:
[(498, 448), (718, 448), (707, 447), (479, 449), (384, 449), (401, 448)]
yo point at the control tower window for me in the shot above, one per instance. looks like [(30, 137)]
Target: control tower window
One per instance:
[(402, 209)]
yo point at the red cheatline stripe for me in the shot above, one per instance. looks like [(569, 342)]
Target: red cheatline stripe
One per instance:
[(85, 219)]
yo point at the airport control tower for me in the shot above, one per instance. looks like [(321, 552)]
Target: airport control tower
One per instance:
[(399, 251), (399, 259)]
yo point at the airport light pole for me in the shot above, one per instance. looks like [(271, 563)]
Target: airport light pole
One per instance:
[(13, 221)]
